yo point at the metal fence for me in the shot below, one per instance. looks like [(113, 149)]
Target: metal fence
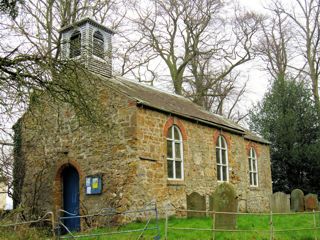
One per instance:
[(270, 226), (16, 220), (304, 225), (107, 219)]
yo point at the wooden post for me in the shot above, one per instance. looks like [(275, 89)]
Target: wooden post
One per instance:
[(166, 226), (17, 219), (271, 226), (213, 225), (314, 225), (53, 225)]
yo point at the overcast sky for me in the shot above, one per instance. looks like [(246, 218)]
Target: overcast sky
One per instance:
[(256, 5), (258, 79)]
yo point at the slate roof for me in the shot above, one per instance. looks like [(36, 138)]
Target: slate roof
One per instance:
[(177, 105), (84, 21)]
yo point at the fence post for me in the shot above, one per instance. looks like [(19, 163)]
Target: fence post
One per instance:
[(271, 226), (213, 225), (166, 226), (59, 226), (52, 223), (314, 225), (157, 218), (17, 219)]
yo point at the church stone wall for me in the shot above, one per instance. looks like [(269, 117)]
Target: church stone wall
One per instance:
[(128, 149), (199, 164), (52, 137)]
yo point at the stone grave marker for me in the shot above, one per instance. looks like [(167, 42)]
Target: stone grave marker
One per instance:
[(280, 202), (196, 202), (297, 200), (224, 199), (311, 202)]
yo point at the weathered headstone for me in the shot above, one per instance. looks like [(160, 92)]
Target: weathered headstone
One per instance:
[(196, 202), (280, 202), (224, 199), (311, 202), (297, 200)]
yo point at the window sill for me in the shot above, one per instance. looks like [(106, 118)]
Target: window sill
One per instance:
[(254, 188), (174, 182), (219, 182)]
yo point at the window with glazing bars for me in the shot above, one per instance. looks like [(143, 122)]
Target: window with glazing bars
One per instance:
[(253, 168), (174, 153), (222, 159)]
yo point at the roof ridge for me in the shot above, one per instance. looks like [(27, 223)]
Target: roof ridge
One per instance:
[(153, 88), (181, 97), (163, 100)]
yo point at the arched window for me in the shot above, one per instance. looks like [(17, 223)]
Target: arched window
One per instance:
[(253, 168), (75, 44), (174, 153), (222, 159), (98, 44)]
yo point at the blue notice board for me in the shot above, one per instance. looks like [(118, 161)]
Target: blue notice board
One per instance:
[(93, 185)]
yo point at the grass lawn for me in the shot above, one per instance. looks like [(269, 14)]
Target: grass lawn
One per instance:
[(244, 222)]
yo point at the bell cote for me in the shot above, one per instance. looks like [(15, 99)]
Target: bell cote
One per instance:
[(90, 43)]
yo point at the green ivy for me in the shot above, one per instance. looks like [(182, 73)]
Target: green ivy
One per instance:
[(18, 164)]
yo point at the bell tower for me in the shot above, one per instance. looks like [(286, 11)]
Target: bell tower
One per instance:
[(90, 43)]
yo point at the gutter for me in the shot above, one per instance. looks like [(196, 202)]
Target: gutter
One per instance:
[(219, 126), (240, 132)]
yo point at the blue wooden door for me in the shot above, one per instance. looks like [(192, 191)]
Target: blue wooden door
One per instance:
[(71, 198)]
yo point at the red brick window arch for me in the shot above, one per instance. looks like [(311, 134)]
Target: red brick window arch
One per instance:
[(174, 153), (222, 159), (253, 168)]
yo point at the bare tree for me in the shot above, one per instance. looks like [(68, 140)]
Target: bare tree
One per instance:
[(175, 30), (29, 56), (274, 44), (304, 19), (30, 64), (200, 47), (213, 80)]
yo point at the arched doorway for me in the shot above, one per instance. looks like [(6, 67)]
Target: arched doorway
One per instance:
[(70, 187)]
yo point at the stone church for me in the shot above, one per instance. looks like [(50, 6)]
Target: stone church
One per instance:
[(151, 145)]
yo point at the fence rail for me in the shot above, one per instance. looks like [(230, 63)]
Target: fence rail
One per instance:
[(151, 208), (47, 217), (270, 228)]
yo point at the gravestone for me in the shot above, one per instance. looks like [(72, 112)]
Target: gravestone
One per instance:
[(280, 202), (224, 199), (311, 202), (297, 200), (196, 202)]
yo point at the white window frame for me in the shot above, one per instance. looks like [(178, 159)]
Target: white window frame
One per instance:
[(219, 163), (174, 159), (253, 173)]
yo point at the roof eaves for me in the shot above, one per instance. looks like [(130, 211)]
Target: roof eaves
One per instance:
[(82, 22), (257, 139), (221, 126)]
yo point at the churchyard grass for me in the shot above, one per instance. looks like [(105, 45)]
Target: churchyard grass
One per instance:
[(244, 222)]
